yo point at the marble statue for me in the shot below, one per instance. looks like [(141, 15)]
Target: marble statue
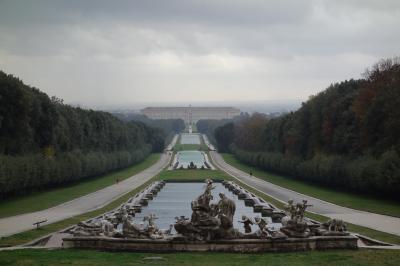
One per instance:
[(333, 227), (247, 223), (87, 229), (208, 221), (294, 225), (227, 210), (262, 232), (132, 230)]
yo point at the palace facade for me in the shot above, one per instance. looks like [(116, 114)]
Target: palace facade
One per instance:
[(190, 114)]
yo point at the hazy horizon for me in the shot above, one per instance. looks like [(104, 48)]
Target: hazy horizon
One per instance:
[(262, 106)]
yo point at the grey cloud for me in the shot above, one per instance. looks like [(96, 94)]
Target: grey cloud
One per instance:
[(222, 44)]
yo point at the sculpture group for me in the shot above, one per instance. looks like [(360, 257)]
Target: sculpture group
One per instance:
[(209, 221), (108, 226)]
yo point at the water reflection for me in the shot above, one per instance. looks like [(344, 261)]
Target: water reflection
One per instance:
[(186, 157), (175, 198), (190, 138)]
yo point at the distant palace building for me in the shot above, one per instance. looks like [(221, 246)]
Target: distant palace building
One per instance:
[(190, 114)]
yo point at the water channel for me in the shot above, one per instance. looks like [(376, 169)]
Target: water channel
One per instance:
[(190, 138), (175, 198)]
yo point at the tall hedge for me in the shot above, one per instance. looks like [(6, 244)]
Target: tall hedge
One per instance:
[(44, 142)]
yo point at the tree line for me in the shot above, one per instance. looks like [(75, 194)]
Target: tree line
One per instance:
[(169, 127), (347, 136), (209, 126), (45, 143)]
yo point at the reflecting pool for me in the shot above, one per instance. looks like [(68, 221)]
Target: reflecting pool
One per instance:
[(184, 158), (175, 198), (190, 138)]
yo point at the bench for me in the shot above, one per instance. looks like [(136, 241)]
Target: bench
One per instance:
[(38, 223)]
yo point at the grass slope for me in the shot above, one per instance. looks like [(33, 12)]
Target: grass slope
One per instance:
[(192, 175), (190, 147), (45, 199), (347, 199), (87, 257)]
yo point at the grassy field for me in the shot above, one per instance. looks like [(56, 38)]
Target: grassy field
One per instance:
[(45, 199), (188, 147), (192, 175), (86, 257), (347, 199)]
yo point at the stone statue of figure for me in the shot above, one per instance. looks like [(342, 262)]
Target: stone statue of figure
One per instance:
[(302, 209), (291, 208), (262, 225), (209, 221), (129, 228), (247, 222), (151, 227), (209, 186), (226, 209), (205, 198), (107, 227), (296, 226)]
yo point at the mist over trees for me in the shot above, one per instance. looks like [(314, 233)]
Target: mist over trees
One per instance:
[(45, 143), (209, 126), (347, 136), (169, 127)]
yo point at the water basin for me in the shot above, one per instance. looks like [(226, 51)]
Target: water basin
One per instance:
[(190, 138), (184, 158), (175, 198)]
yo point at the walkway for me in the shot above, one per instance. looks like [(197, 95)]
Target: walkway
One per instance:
[(173, 142), (207, 142), (375, 221), (95, 200)]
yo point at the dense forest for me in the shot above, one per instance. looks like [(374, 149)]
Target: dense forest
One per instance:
[(45, 143), (208, 127), (170, 127), (347, 136)]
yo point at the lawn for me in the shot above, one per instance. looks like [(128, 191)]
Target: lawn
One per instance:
[(347, 199), (45, 199), (192, 175), (190, 147), (88, 257), (186, 147)]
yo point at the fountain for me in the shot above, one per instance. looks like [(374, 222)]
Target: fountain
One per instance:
[(210, 227)]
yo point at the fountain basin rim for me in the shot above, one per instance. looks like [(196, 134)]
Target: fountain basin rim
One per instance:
[(223, 245)]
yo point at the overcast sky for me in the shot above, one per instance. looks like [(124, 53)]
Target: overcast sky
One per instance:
[(121, 52)]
